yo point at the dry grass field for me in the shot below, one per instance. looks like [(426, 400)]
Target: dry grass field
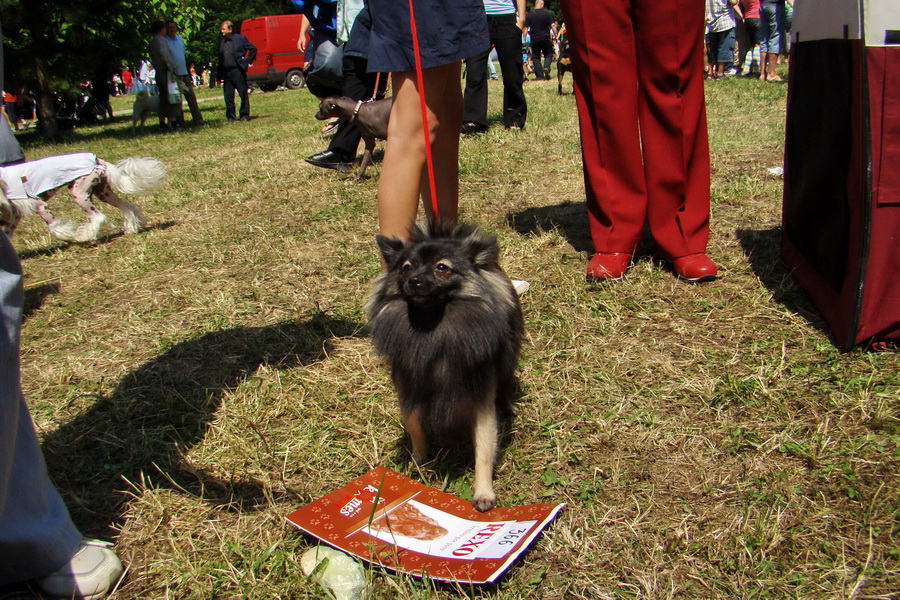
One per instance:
[(194, 383)]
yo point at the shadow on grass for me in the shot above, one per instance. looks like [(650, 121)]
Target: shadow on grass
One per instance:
[(120, 128), (568, 218), (162, 409), (61, 245), (35, 296), (372, 170), (763, 251)]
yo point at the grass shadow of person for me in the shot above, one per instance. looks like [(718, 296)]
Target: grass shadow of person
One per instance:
[(165, 407), (762, 247), (568, 218), (35, 296), (104, 237)]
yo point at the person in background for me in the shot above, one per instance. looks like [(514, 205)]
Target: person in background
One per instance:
[(721, 23), (492, 58), (25, 107), (447, 33), (144, 80), (100, 90), (319, 27), (750, 53), (542, 28), (181, 73), (527, 64), (164, 64), (788, 24), (9, 109), (117, 87), (772, 23), (642, 118), (505, 20), (236, 53), (38, 540), (127, 81), (359, 85)]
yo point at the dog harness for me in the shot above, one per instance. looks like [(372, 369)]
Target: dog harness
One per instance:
[(33, 178)]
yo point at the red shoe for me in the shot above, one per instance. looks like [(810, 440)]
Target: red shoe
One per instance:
[(695, 268), (608, 265)]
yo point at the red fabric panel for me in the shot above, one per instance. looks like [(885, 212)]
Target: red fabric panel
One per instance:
[(880, 315), (884, 94)]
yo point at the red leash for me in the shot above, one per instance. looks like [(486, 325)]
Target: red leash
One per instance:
[(429, 161)]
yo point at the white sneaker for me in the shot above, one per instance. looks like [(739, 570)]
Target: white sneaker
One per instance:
[(91, 573), (520, 286)]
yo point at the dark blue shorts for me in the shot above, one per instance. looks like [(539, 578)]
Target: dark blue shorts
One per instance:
[(447, 32), (720, 46)]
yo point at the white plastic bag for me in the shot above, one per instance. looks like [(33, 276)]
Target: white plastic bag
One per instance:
[(173, 91), (342, 575)]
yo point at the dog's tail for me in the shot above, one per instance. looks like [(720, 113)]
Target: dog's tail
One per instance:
[(136, 175)]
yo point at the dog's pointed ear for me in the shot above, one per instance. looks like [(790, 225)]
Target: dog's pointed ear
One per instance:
[(485, 251), (390, 247)]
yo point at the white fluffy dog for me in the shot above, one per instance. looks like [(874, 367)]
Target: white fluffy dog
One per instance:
[(29, 185), (144, 104)]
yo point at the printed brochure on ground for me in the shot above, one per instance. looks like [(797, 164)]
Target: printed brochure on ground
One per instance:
[(392, 521)]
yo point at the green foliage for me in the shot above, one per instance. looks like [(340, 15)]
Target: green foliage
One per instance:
[(71, 39)]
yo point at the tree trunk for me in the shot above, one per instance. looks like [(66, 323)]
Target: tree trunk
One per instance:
[(46, 103)]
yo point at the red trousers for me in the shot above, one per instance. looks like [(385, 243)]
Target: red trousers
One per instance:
[(638, 72)]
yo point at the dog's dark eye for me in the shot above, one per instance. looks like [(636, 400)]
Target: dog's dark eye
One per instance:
[(441, 268), (406, 267)]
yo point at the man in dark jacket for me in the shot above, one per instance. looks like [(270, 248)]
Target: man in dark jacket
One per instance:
[(236, 53), (542, 28)]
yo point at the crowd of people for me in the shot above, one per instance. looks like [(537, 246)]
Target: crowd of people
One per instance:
[(747, 37), (20, 108), (639, 91)]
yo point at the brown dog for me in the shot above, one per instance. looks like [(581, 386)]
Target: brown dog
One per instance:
[(370, 117)]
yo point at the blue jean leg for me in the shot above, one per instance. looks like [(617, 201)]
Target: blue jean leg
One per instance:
[(36, 534), (772, 24)]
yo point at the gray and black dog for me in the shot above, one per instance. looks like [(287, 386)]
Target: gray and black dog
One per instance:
[(447, 319), (371, 117)]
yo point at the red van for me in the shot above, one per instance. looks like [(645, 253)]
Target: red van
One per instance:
[(278, 62)]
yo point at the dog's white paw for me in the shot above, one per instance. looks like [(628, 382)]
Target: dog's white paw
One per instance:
[(90, 231), (134, 219), (63, 229)]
